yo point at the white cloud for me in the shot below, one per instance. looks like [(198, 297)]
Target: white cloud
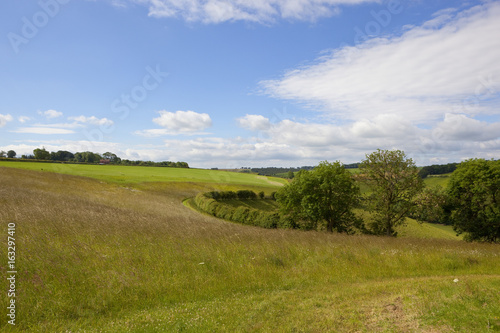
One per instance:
[(449, 64), (50, 114), (261, 11), (92, 120), (23, 119), (4, 119), (462, 128), (254, 122), (179, 122), (42, 130)]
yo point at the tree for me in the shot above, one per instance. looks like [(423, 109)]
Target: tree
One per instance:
[(61, 155), (325, 195), (290, 174), (2, 153), (111, 157), (474, 192), (431, 205), (41, 154), (11, 154), (394, 181), (87, 157)]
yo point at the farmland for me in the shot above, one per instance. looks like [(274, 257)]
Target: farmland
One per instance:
[(113, 249)]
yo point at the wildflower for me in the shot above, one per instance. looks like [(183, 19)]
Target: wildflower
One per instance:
[(456, 280)]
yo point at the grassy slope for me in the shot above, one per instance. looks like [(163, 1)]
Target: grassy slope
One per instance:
[(100, 257), (139, 174)]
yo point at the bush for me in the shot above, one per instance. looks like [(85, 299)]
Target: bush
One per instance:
[(286, 222), (240, 214), (252, 217), (268, 220), (246, 194), (207, 202)]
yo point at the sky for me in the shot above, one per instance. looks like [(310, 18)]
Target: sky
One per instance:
[(230, 84)]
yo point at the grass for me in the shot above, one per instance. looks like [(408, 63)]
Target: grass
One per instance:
[(427, 230), (139, 174), (437, 180), (98, 256)]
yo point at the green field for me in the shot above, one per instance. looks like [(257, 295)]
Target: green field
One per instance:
[(142, 174), (125, 255)]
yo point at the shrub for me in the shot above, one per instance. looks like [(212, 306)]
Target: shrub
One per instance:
[(240, 214), (246, 194), (286, 222)]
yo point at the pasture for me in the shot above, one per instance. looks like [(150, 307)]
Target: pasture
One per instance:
[(113, 249), (142, 174)]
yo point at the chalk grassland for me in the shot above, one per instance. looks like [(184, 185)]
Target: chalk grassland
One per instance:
[(96, 256)]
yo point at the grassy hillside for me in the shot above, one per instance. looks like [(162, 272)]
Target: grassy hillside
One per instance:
[(96, 256), (138, 174)]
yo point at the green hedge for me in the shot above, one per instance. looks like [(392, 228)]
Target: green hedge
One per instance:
[(207, 202)]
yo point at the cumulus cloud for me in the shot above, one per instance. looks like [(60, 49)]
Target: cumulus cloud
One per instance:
[(4, 119), (254, 122), (462, 128), (261, 11), (50, 114), (179, 122), (449, 64)]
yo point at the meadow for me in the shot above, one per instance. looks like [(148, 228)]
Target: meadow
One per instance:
[(122, 174), (113, 249)]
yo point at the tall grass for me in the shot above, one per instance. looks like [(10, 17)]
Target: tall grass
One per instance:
[(101, 257)]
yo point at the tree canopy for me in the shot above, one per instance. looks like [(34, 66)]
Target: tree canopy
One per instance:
[(41, 154), (474, 192), (325, 195), (394, 182)]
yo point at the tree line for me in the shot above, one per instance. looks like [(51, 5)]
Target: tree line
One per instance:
[(329, 198), (437, 169), (88, 157), (280, 171)]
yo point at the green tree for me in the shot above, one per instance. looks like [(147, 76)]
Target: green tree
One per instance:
[(290, 174), (41, 154), (324, 196), (87, 157), (2, 153), (111, 157), (431, 205), (61, 155), (394, 182), (474, 192), (11, 154)]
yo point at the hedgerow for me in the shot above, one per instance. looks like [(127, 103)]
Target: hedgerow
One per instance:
[(208, 202)]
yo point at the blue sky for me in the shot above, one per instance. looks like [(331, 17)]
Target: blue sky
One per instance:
[(220, 83)]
